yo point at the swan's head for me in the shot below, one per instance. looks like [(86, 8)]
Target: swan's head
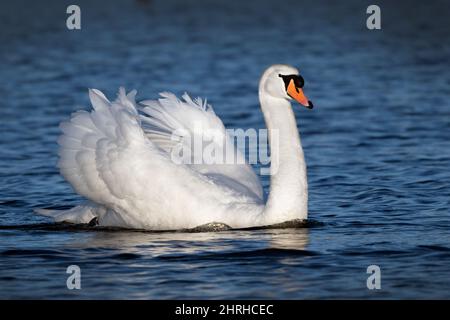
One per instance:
[(284, 81)]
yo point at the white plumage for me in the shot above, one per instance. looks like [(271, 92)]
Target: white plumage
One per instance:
[(121, 160)]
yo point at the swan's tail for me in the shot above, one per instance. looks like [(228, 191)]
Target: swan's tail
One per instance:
[(78, 214)]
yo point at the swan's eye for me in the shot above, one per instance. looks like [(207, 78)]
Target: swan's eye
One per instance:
[(299, 82)]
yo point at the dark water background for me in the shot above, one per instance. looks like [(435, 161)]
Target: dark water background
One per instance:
[(377, 145)]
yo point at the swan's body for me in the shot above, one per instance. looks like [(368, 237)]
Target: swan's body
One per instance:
[(121, 162)]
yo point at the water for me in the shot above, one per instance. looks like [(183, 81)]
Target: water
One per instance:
[(377, 146)]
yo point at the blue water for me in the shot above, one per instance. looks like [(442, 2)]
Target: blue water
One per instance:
[(377, 145)]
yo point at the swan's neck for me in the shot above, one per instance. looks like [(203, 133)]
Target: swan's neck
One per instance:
[(288, 198)]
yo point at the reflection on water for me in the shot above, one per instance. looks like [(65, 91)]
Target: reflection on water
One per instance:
[(193, 243)]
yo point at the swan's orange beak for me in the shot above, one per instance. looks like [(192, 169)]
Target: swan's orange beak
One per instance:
[(298, 95)]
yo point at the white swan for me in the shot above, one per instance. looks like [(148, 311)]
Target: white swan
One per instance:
[(120, 161)]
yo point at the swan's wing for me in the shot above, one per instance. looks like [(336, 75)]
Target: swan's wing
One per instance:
[(105, 155), (191, 133)]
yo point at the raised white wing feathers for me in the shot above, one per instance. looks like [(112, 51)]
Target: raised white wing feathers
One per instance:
[(191, 127), (112, 156)]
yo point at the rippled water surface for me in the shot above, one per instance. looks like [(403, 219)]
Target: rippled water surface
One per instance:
[(377, 145)]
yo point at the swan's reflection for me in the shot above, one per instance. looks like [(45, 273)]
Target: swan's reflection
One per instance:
[(292, 239), (184, 243)]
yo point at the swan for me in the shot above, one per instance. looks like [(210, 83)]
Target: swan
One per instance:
[(118, 156)]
